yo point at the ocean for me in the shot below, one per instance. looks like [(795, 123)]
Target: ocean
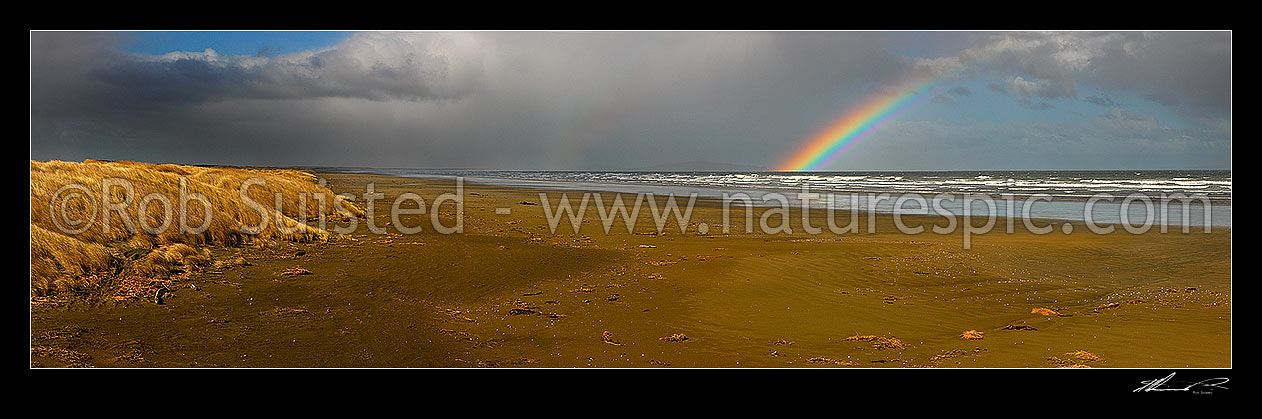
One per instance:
[(1068, 192)]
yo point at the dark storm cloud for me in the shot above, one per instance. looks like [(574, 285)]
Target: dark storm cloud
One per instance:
[(486, 99), (60, 63), (960, 91), (368, 66)]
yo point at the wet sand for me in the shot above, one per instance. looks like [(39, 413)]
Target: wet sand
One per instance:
[(508, 293)]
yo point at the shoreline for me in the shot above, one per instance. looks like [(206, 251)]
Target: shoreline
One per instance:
[(1220, 206), (509, 293), (794, 207)]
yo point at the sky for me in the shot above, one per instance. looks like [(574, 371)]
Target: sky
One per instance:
[(632, 100)]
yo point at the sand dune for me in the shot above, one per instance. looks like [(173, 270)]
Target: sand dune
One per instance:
[(63, 258)]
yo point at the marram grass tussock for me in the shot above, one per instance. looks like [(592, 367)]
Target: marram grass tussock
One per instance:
[(69, 263)]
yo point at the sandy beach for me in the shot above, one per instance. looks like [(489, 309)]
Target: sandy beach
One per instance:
[(510, 293)]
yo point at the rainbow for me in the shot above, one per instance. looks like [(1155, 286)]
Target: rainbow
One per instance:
[(856, 125)]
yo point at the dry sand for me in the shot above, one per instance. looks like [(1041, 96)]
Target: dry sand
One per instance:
[(508, 293)]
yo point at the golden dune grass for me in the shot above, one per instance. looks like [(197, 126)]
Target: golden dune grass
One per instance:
[(60, 260)]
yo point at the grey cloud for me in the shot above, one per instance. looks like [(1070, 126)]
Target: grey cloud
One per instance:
[(1021, 145), (1208, 121), (941, 99), (1101, 100), (567, 100), (1171, 68), (373, 66), (1033, 105), (482, 99), (1123, 115), (1044, 88), (60, 67)]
